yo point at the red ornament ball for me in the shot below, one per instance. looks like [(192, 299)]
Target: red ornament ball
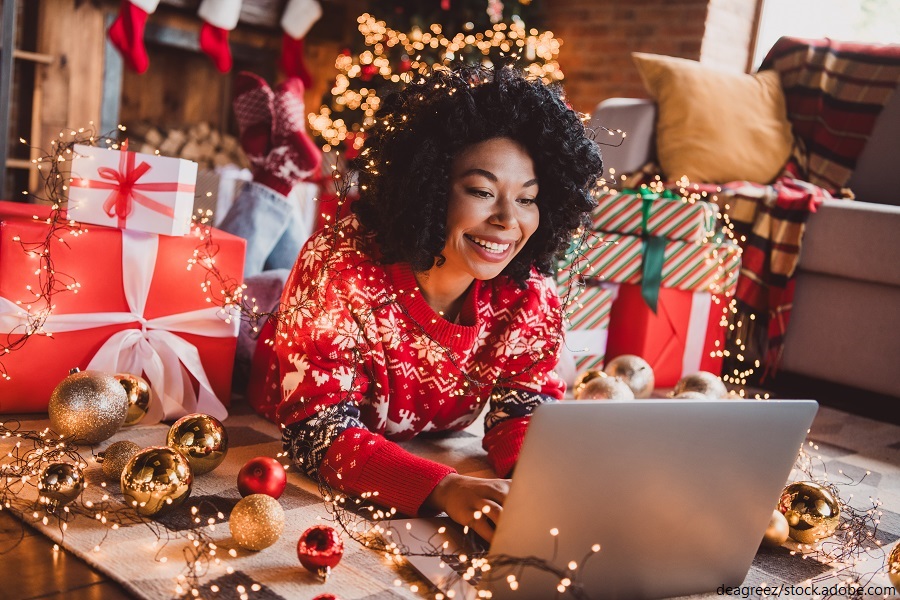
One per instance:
[(320, 549), (262, 475), (326, 597), (367, 72)]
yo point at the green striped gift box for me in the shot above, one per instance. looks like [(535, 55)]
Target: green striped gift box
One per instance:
[(699, 267), (587, 317), (672, 218)]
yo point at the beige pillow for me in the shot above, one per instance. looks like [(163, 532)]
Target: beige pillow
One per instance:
[(716, 126)]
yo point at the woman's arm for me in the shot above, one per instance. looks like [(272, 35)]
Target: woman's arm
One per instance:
[(531, 379), (326, 367)]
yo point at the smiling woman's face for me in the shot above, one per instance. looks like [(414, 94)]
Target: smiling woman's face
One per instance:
[(491, 211)]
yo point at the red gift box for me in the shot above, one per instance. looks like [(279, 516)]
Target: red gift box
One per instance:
[(138, 309), (684, 336)]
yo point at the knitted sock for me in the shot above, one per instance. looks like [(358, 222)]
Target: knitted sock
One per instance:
[(127, 35), (214, 43), (253, 109), (293, 62), (293, 155)]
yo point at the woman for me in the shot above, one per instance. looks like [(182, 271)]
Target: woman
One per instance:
[(433, 299)]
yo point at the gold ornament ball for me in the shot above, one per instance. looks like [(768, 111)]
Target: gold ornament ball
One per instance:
[(604, 388), (702, 382), (60, 483), (256, 522), (156, 478), (89, 405), (583, 378), (116, 456), (202, 439), (812, 511), (777, 531), (635, 372), (894, 567), (138, 391)]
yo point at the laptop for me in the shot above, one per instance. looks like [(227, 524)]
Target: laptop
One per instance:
[(676, 493)]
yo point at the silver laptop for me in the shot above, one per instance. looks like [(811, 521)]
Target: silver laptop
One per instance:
[(676, 493)]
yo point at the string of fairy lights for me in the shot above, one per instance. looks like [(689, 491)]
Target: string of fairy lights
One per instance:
[(359, 518), (360, 80)]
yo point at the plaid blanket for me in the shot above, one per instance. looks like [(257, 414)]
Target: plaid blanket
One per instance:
[(834, 93)]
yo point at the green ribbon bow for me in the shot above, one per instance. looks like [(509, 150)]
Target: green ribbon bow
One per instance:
[(653, 249)]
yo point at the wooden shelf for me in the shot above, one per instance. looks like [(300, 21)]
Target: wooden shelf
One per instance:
[(19, 163), (35, 57)]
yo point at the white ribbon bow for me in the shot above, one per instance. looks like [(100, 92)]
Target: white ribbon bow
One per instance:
[(154, 349)]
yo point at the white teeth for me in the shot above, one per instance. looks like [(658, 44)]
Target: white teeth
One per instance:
[(490, 246)]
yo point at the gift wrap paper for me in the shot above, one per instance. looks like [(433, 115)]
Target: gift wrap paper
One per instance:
[(673, 218), (128, 190), (138, 309)]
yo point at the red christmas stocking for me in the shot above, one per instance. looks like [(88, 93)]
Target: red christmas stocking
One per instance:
[(219, 18), (293, 155), (254, 103), (299, 16), (127, 32)]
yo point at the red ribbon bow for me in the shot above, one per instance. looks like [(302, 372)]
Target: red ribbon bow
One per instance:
[(126, 190)]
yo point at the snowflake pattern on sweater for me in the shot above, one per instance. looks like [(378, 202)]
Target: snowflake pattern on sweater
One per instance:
[(362, 345)]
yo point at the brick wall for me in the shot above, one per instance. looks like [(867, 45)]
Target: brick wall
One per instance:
[(600, 35)]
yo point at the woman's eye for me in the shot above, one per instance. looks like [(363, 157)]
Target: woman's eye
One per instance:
[(480, 193), (527, 201)]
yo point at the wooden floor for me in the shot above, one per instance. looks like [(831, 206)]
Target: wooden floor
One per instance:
[(33, 570)]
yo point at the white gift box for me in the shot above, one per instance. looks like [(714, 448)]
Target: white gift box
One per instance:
[(134, 191)]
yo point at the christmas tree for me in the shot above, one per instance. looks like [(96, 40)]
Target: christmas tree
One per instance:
[(415, 36)]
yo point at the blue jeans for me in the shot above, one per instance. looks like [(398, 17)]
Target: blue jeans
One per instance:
[(273, 228), (270, 223)]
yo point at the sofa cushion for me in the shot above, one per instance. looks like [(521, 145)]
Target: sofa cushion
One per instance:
[(636, 117), (873, 178), (845, 331), (856, 240), (716, 126)]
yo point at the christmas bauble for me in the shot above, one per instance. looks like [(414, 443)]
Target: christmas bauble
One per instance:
[(367, 72), (893, 566), (59, 483), (812, 511), (583, 378), (702, 382), (777, 530), (89, 405), (635, 372), (262, 475), (156, 478), (604, 387), (116, 456), (256, 522), (320, 549), (202, 439), (138, 391)]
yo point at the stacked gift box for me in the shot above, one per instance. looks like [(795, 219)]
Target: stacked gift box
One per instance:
[(659, 279), (137, 307)]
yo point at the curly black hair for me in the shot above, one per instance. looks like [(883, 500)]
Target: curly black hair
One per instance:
[(403, 169)]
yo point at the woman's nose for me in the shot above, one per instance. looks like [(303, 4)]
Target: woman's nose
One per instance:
[(503, 213)]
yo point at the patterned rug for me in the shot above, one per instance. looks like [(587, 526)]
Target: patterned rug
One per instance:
[(847, 444)]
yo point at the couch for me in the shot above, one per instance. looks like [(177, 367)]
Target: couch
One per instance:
[(845, 323)]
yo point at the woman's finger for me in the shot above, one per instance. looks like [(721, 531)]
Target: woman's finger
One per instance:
[(482, 528), (491, 511)]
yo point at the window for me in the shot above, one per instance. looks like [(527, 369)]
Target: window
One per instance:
[(874, 21)]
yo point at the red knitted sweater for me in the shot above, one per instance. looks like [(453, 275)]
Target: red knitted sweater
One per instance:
[(363, 359)]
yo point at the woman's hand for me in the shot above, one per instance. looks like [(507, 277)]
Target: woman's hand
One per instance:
[(471, 501)]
